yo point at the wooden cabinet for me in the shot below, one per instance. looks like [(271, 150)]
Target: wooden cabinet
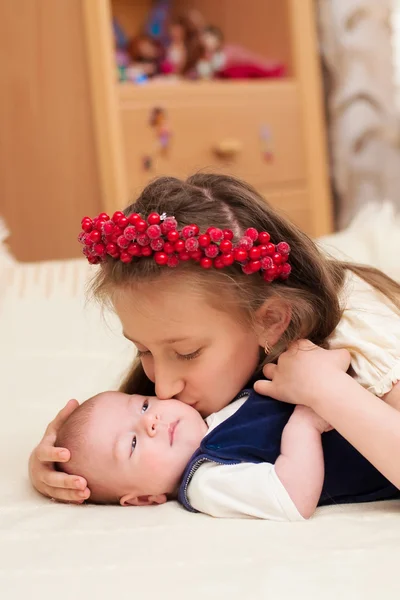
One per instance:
[(77, 141)]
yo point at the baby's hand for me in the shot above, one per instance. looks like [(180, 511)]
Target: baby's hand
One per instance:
[(44, 477), (306, 414), (303, 373)]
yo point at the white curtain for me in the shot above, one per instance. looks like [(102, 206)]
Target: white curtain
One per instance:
[(357, 51)]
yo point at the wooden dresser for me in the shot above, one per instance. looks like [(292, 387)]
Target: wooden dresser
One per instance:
[(81, 142)]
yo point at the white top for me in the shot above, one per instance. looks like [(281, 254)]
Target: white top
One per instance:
[(370, 330), (239, 491)]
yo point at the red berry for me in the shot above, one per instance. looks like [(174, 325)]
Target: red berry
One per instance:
[(169, 248), (122, 222), (245, 243), (219, 263), (99, 225), (206, 263), (211, 251), (123, 242), (252, 233), (117, 215), (195, 229), (204, 240), (264, 237), (240, 254), (173, 261), (266, 263), (134, 218), (108, 227), (272, 272), (169, 224), (247, 269), (134, 250), (141, 225), (255, 265), (157, 244), (146, 251), (225, 246), (104, 216), (215, 234), (184, 256), (283, 248), (188, 231), (255, 253), (286, 270), (228, 234), (95, 236), (143, 239), (87, 226), (153, 218), (277, 258), (129, 233), (191, 244), (173, 236), (154, 232), (99, 249), (179, 246), (85, 219), (125, 257), (196, 255), (112, 248), (228, 259), (270, 249)]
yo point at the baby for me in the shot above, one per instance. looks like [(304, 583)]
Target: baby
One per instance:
[(137, 450)]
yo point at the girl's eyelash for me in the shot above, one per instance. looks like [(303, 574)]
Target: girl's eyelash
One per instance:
[(190, 356)]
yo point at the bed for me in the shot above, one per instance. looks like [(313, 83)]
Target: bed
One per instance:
[(53, 347)]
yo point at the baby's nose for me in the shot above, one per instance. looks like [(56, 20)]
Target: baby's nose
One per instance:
[(151, 423)]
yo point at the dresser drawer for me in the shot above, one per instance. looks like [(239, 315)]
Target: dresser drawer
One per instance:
[(222, 127), (295, 205)]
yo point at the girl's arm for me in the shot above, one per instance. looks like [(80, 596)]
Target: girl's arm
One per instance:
[(44, 477), (300, 466), (309, 375)]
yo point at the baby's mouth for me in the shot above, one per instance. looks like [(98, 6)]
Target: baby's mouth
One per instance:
[(171, 431)]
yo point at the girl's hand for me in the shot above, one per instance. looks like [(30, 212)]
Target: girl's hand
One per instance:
[(303, 373), (44, 477)]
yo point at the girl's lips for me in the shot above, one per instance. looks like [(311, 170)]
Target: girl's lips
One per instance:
[(171, 431)]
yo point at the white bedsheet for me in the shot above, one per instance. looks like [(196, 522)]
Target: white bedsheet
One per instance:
[(52, 348)]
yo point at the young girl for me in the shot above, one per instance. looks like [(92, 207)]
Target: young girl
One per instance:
[(205, 328)]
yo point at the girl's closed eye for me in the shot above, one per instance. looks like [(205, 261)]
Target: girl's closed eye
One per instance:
[(141, 353), (189, 356)]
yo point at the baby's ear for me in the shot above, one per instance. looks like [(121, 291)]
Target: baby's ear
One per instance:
[(132, 500)]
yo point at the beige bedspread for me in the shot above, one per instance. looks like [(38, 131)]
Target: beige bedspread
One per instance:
[(52, 348)]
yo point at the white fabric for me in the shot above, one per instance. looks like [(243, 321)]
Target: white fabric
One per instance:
[(52, 348), (242, 490), (370, 330)]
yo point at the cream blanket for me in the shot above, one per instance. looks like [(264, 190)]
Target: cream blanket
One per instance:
[(53, 347)]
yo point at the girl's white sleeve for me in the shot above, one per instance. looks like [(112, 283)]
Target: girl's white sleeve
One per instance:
[(370, 330), (244, 490)]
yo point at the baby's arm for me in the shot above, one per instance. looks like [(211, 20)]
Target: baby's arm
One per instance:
[(300, 466)]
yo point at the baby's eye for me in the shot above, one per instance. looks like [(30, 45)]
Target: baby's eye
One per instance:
[(133, 443), (145, 406)]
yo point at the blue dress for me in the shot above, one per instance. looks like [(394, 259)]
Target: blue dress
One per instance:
[(253, 434)]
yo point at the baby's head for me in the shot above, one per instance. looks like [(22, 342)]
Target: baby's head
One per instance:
[(131, 449)]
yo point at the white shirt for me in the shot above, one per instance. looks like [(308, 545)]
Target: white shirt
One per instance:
[(244, 490), (370, 330)]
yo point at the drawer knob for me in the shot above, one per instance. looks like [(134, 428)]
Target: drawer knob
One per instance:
[(228, 148)]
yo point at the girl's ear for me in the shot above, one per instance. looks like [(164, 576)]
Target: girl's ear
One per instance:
[(273, 318), (133, 500)]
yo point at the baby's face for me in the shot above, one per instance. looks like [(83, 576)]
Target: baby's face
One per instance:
[(139, 446)]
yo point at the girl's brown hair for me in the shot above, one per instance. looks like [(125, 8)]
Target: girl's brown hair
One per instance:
[(312, 290)]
